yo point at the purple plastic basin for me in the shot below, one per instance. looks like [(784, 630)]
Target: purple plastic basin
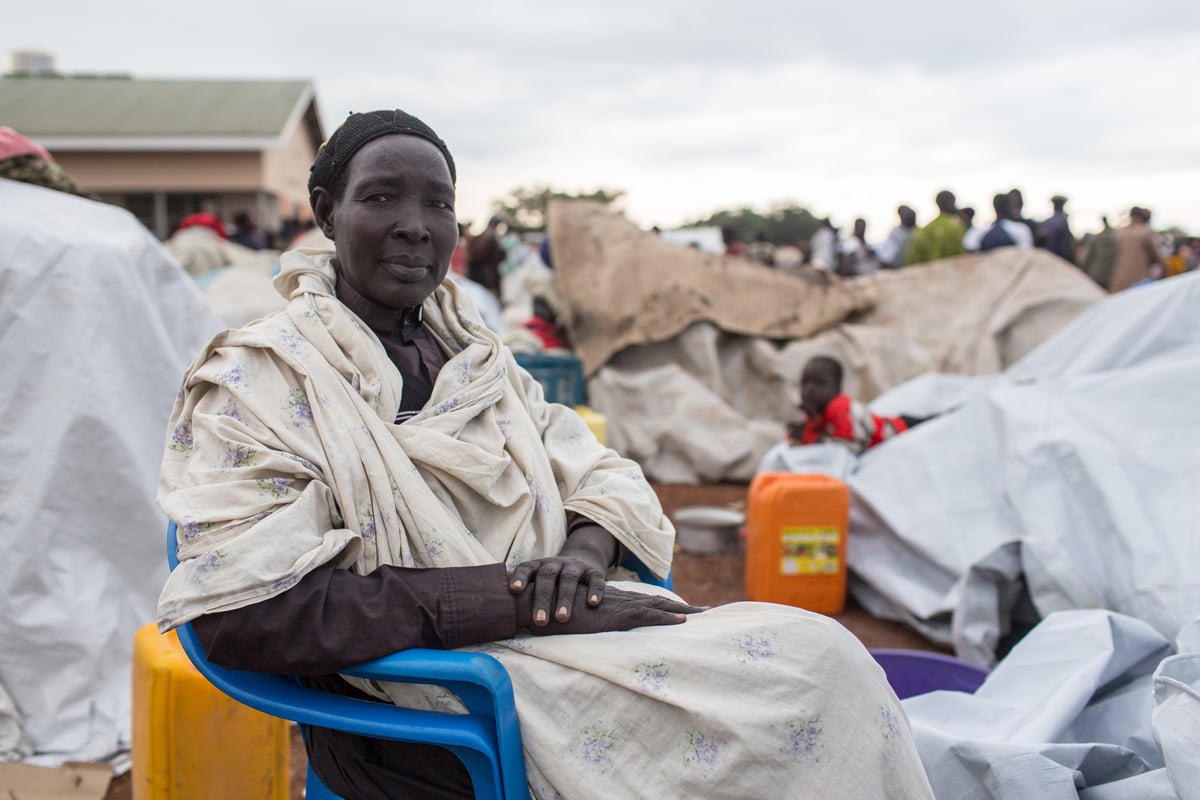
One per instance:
[(913, 672)]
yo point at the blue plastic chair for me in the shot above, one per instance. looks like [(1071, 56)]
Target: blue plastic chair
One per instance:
[(914, 672), (487, 739)]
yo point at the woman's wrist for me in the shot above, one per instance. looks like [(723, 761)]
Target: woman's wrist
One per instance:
[(592, 543)]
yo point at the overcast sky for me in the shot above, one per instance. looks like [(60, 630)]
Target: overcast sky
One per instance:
[(847, 108)]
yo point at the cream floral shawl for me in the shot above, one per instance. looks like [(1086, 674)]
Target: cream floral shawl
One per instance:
[(282, 455)]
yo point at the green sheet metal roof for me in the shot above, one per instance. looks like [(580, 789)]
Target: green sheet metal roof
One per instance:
[(135, 108)]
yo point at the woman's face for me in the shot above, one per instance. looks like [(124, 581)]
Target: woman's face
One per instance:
[(394, 227)]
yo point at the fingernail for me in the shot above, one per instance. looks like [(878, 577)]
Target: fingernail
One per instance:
[(539, 617), (680, 617), (594, 599), (562, 613), (516, 584)]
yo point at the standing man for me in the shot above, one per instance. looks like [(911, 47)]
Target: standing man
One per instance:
[(941, 238), (1055, 234), (1137, 251), (894, 251), (1101, 255), (1005, 232), (824, 246), (855, 256), (1016, 205)]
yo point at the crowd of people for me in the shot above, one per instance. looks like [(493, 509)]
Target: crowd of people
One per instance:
[(1115, 258)]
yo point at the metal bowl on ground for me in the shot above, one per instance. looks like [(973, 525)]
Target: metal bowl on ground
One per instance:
[(708, 530)]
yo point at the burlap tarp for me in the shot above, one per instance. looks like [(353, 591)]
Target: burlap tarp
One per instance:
[(685, 349), (623, 286)]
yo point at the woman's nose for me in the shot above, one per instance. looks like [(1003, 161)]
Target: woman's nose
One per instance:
[(410, 227)]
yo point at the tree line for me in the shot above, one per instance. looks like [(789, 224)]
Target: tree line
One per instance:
[(524, 208)]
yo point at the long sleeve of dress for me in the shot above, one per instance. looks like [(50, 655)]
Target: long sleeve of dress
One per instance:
[(333, 618)]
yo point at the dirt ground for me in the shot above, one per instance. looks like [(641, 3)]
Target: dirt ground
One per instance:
[(701, 580)]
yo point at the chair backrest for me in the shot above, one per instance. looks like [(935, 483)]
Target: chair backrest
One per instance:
[(913, 672), (487, 739)]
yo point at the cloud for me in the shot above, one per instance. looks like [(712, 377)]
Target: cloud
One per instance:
[(849, 107)]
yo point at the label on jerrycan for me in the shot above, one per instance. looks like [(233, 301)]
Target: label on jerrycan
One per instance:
[(809, 550)]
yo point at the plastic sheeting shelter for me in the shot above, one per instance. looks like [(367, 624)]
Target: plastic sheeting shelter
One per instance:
[(1070, 481), (97, 324)]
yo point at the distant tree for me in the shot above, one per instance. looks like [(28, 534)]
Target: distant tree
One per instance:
[(525, 207), (784, 224)]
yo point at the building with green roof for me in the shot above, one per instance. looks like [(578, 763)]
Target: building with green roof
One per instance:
[(166, 148)]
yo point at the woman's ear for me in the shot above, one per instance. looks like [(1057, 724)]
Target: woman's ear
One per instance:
[(322, 206)]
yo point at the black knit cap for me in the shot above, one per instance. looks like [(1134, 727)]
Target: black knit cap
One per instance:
[(358, 129)]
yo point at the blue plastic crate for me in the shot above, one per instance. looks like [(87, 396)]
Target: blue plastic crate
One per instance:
[(561, 377)]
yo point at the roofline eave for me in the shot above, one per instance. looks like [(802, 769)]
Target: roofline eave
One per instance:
[(222, 144)]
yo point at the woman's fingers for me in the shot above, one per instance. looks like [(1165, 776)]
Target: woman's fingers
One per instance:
[(545, 584), (595, 587), (521, 575), (568, 583)]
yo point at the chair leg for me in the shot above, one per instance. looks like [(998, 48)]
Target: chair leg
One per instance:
[(485, 775), (315, 790)]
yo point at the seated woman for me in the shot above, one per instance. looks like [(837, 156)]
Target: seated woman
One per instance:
[(370, 471), (830, 416)]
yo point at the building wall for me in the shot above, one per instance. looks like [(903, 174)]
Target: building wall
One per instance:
[(111, 172), (285, 168)]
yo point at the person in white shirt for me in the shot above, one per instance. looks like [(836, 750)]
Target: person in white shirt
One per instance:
[(824, 246), (1004, 232), (894, 250)]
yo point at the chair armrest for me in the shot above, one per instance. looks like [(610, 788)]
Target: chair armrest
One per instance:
[(479, 680)]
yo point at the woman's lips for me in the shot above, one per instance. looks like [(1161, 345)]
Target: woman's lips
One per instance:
[(406, 268)]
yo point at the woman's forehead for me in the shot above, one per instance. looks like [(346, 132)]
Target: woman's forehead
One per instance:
[(400, 156)]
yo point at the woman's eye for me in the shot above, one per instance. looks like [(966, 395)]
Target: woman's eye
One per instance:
[(442, 204), (377, 198)]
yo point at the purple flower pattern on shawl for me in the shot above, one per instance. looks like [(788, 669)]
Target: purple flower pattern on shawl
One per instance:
[(232, 410), (181, 438), (446, 406), (802, 739), (757, 646), (292, 341), (439, 699), (209, 562), (464, 372), (274, 487), (191, 529), (596, 749), (702, 753), (366, 523), (652, 678), (234, 376), (238, 455), (889, 724), (298, 409), (537, 495)]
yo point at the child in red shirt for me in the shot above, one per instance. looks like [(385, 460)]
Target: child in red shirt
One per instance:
[(830, 416)]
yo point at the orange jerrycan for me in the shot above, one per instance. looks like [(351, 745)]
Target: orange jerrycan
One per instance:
[(796, 527), (190, 740)]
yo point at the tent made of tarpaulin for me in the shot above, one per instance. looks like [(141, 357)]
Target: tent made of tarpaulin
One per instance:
[(1070, 481), (97, 323)]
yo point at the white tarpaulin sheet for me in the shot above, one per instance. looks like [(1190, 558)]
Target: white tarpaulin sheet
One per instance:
[(1090, 705), (1071, 481), (97, 324)]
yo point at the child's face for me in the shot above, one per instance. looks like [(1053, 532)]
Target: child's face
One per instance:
[(817, 387)]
